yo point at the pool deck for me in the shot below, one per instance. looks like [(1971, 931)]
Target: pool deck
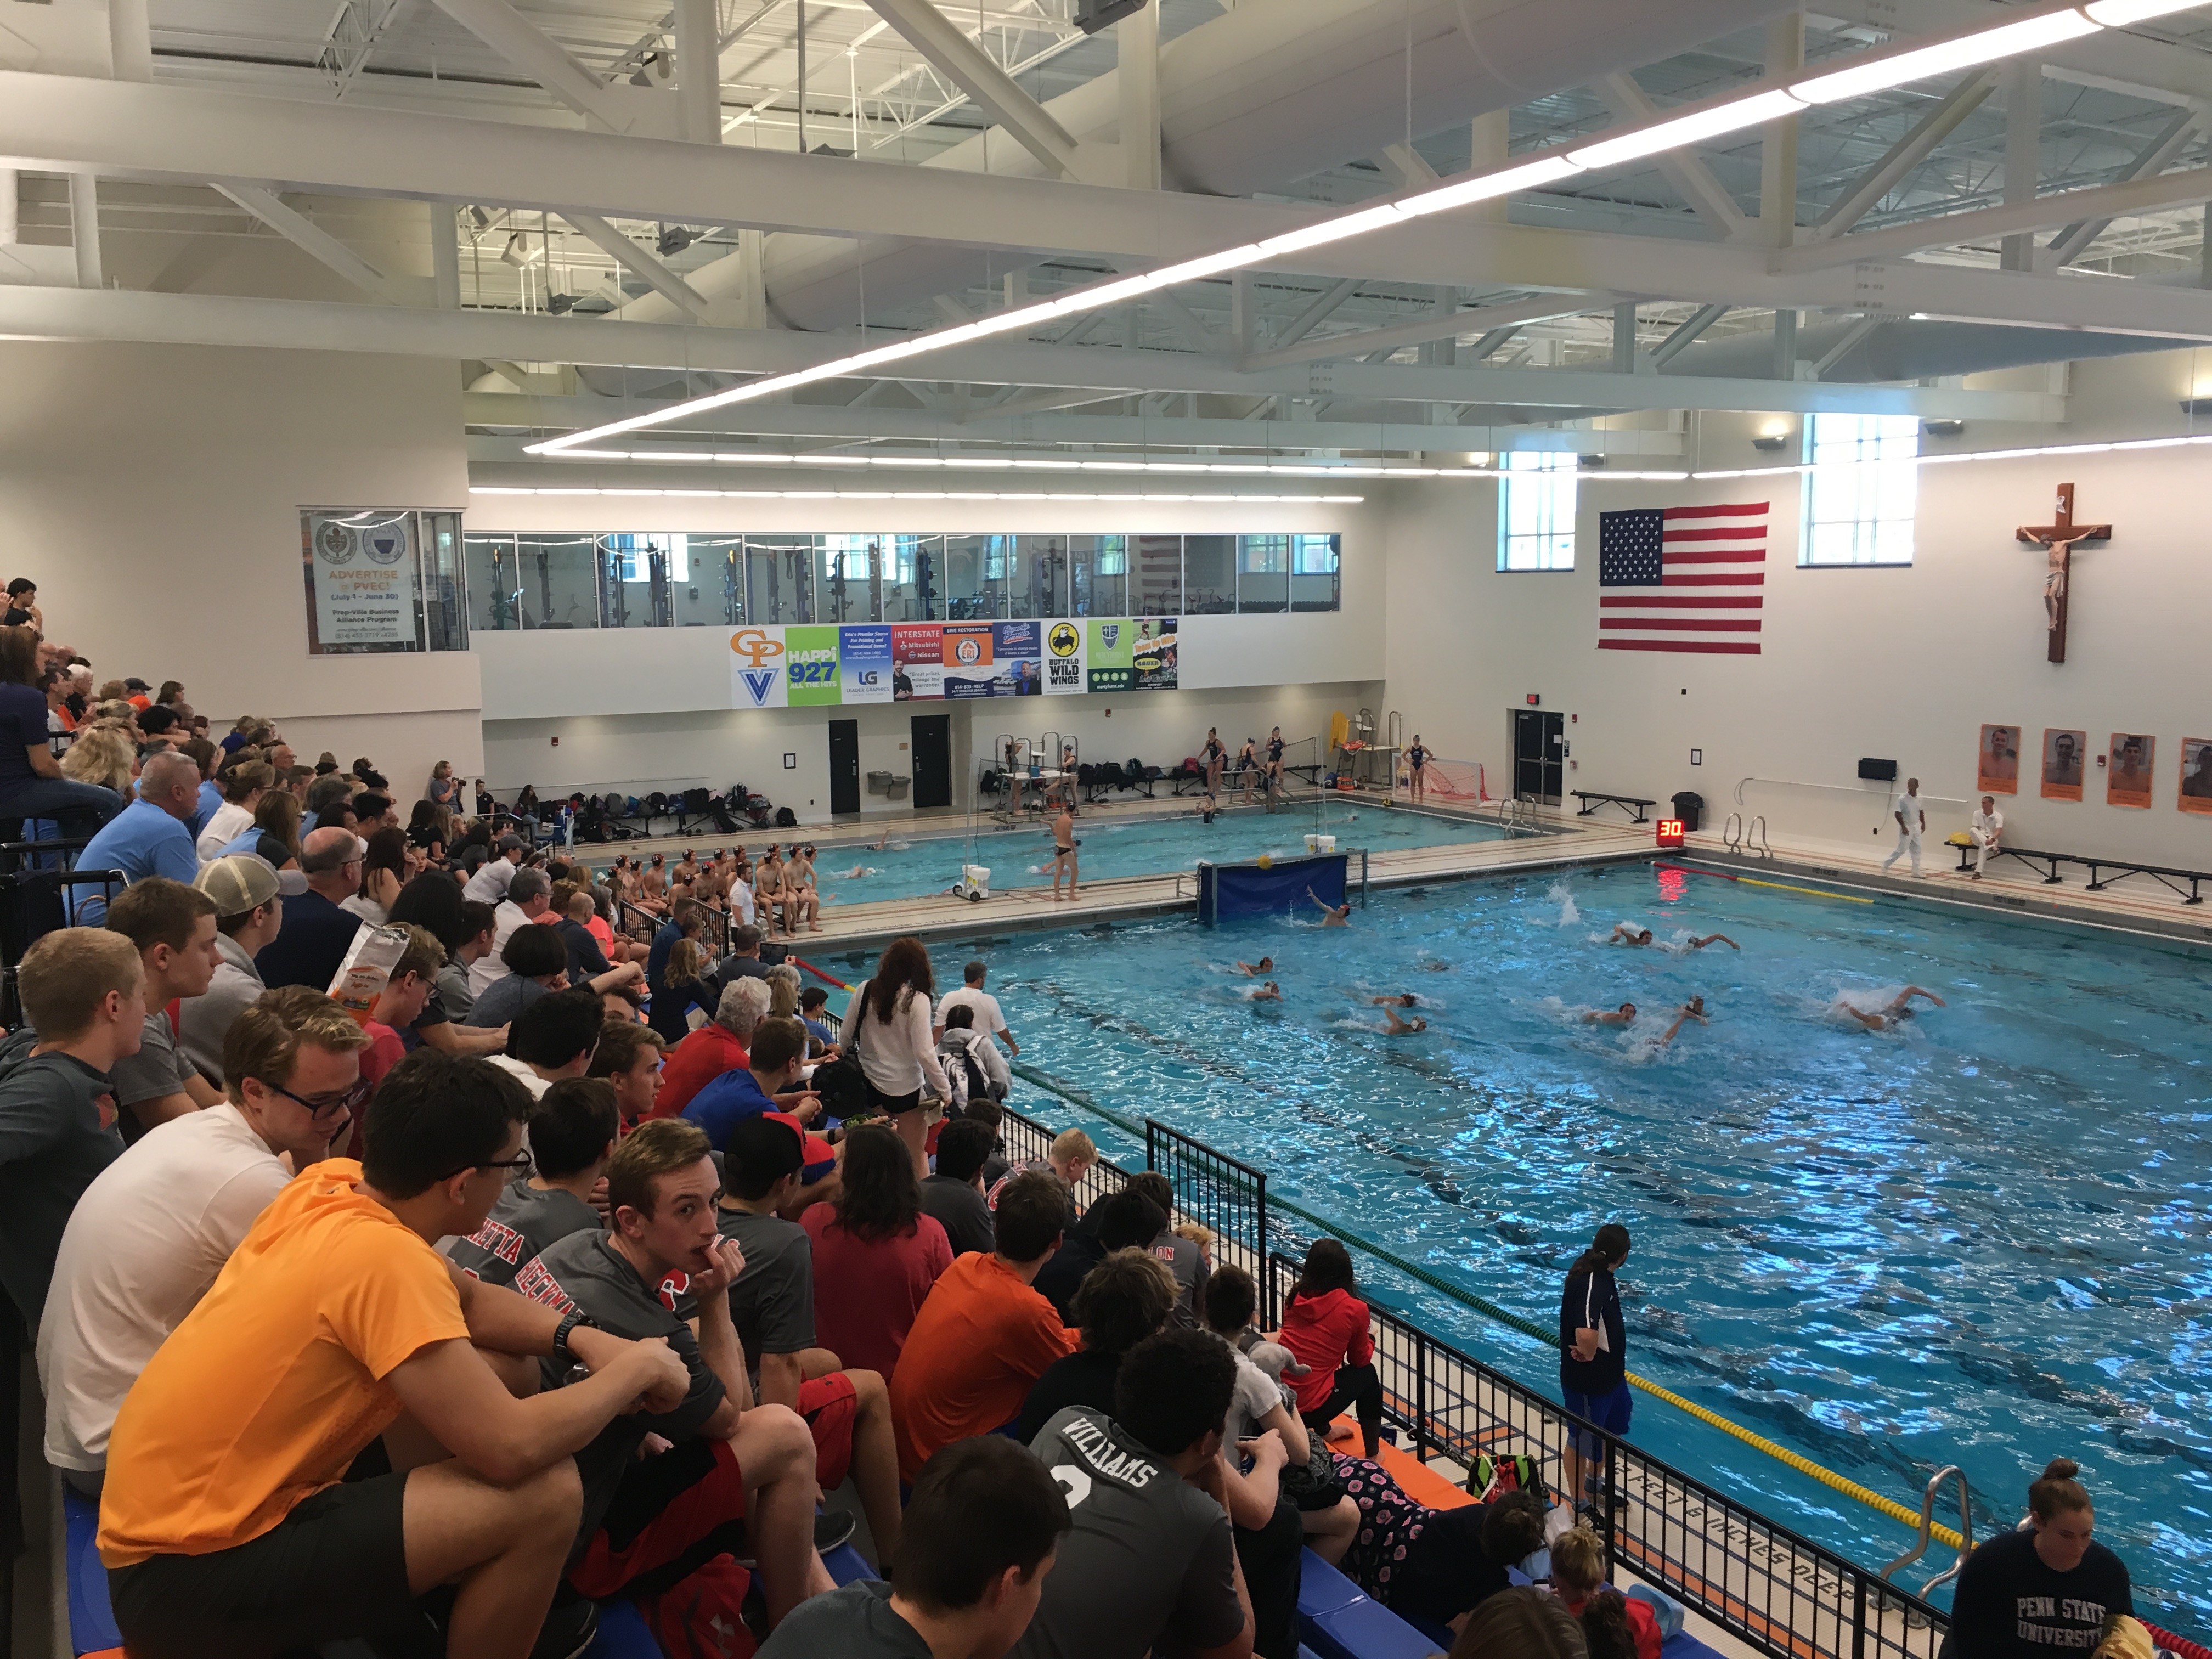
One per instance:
[(2010, 887)]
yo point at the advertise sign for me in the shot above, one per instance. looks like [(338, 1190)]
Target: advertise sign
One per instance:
[(809, 666), (756, 679), (1018, 654), (1107, 665), (1063, 660), (864, 670), (917, 661), (1153, 655), (968, 670), (362, 571)]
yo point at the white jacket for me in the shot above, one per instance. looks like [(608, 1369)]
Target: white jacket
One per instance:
[(897, 1057)]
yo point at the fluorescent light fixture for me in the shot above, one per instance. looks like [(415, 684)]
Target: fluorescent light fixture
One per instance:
[(1528, 175), (2118, 14), (1699, 124), (1333, 230), (1233, 498), (1945, 57), (1210, 264)]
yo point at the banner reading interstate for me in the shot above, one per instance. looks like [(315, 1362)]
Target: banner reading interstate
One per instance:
[(817, 665)]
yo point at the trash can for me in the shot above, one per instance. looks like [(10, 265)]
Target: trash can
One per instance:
[(1688, 805)]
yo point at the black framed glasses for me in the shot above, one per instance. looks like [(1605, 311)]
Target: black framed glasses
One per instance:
[(344, 1103), (521, 1164)]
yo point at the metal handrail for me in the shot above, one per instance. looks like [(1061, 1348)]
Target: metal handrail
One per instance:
[(1758, 829), (1732, 832), (1949, 1471)]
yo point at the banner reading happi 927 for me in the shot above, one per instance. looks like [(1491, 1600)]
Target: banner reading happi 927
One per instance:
[(810, 664)]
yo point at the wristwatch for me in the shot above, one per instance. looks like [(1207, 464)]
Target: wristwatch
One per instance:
[(568, 1323)]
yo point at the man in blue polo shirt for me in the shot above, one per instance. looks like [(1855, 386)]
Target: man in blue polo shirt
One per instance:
[(148, 836), (779, 1047)]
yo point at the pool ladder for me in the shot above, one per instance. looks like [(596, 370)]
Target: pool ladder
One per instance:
[(1516, 815), (1751, 838), (1949, 1472)]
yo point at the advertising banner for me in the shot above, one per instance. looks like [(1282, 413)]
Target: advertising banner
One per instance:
[(967, 670), (756, 678), (864, 670), (1018, 654), (1107, 666), (917, 661), (364, 579), (1063, 660), (810, 664), (1154, 655)]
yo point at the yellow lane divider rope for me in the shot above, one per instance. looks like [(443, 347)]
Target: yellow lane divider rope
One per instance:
[(1888, 1506), (1779, 886)]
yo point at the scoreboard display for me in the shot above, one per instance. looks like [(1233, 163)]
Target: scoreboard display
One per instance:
[(1670, 833)]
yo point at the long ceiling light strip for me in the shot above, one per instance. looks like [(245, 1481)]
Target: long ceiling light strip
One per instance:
[(2046, 452), (1000, 464), (1877, 72), (1235, 498)]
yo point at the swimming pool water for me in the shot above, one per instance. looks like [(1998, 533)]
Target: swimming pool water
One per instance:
[(1113, 842), (1980, 1239)]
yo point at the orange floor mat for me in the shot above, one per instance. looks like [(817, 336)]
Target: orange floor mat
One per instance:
[(1421, 1484)]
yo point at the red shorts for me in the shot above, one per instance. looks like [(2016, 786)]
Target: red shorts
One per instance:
[(668, 1509), (829, 1405)]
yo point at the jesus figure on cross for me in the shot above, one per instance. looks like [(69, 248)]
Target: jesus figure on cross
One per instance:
[(2060, 537)]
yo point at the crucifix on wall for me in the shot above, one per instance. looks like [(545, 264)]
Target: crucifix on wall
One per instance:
[(2060, 537)]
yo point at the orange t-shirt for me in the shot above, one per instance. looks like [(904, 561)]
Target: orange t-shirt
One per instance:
[(274, 1382), (979, 1344)]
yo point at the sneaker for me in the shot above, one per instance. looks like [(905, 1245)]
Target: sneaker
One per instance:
[(569, 1629), (832, 1528)]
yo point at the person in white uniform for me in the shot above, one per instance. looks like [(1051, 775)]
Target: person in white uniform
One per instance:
[(1911, 824), (1988, 828)]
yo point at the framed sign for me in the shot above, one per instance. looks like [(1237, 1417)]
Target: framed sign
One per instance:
[(381, 580)]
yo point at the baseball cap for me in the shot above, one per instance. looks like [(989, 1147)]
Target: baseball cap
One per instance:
[(510, 843), (242, 882), (818, 1157)]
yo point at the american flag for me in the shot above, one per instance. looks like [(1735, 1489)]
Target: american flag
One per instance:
[(1698, 570)]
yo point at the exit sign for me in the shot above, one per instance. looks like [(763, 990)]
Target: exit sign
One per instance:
[(1670, 833)]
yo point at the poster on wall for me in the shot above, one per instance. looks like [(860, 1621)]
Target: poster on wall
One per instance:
[(1996, 765), (1063, 660), (756, 679), (2062, 755), (1017, 650), (1108, 658), (2127, 779), (809, 663), (2196, 794), (917, 661), (361, 570), (864, 670), (967, 670), (1152, 655)]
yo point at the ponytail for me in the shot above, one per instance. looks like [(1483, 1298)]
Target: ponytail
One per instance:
[(2057, 1491), (1609, 1247), (1604, 1620)]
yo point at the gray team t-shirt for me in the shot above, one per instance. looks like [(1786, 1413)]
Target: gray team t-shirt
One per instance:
[(856, 1622), (159, 1068), (772, 1304), (962, 1211), (584, 1274), (522, 1222), (1149, 1562)]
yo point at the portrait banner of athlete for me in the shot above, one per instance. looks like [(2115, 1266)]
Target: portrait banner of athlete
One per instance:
[(1446, 782)]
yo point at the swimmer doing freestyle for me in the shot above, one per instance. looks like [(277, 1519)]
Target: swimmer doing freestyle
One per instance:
[(1883, 1019), (1693, 1009), (1389, 1005), (1264, 965), (1624, 1015), (1270, 992)]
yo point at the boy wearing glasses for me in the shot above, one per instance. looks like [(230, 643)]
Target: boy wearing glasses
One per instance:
[(149, 1235)]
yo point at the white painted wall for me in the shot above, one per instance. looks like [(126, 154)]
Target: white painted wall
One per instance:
[(1898, 662), (153, 493)]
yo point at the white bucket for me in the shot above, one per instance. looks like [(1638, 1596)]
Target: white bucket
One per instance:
[(1321, 843), (977, 876)]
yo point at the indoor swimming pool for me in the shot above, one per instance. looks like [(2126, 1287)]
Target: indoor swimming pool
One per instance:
[(1979, 1238), (1115, 841)]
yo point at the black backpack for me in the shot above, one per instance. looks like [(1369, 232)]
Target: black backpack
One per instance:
[(842, 1085)]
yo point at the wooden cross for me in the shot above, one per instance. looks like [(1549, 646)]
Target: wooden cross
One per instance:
[(2060, 536)]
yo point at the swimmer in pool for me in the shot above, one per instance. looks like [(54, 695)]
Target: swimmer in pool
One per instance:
[(1270, 992), (1403, 999), (1624, 934), (1710, 939), (1398, 1027), (1693, 1009), (1333, 915), (1433, 966), (1624, 1015), (1264, 965), (1206, 808), (1883, 1019)]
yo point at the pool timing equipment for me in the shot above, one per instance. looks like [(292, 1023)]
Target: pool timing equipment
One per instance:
[(1670, 833)]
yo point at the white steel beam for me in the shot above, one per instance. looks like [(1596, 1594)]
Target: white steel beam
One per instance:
[(1316, 313), (1684, 332), (965, 64), (1906, 154), (1477, 320), (699, 70), (2164, 190), (1137, 90), (84, 229), (1706, 194), (538, 55), (311, 240), (2168, 143), (641, 263)]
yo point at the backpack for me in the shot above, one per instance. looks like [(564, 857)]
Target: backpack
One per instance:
[(977, 1084), (701, 1616), (786, 818), (842, 1085), (1490, 1477)]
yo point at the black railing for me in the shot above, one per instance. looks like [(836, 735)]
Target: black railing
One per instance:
[(1783, 1594)]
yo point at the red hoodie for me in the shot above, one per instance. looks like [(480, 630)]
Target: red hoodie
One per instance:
[(1325, 1332)]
